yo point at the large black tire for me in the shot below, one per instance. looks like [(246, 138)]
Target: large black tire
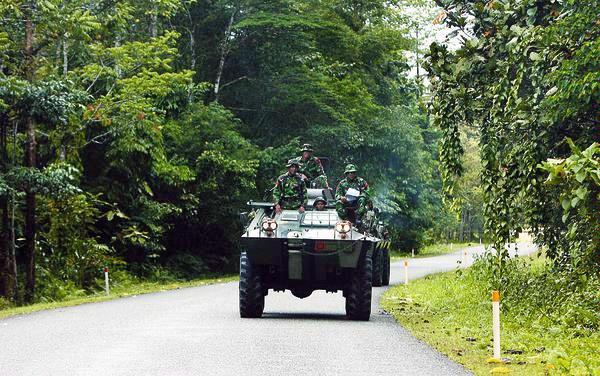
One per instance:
[(358, 295), (377, 266), (252, 299), (385, 278)]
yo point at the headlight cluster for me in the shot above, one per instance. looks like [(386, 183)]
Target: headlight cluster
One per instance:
[(269, 225), (343, 227)]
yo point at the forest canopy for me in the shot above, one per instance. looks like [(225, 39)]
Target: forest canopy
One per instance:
[(133, 132)]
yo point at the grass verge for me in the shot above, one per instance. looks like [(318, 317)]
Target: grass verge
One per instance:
[(452, 312), (117, 291), (433, 250)]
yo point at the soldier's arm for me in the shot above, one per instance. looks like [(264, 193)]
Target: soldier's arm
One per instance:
[(366, 190), (304, 194), (338, 191), (277, 192), (321, 171)]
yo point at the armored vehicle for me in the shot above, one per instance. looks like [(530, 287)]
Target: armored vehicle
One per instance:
[(304, 252)]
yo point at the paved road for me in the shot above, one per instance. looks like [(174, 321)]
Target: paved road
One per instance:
[(198, 331)]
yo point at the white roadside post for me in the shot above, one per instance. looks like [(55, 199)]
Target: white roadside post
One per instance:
[(451, 247), (413, 253), (465, 258), (496, 322), (106, 285), (406, 272)]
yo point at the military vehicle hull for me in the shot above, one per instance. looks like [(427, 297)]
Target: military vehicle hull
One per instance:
[(307, 263)]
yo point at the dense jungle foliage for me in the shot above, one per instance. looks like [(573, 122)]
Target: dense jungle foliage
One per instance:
[(527, 79), (133, 132)]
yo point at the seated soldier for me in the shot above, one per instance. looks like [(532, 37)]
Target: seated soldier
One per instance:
[(319, 204), (352, 195)]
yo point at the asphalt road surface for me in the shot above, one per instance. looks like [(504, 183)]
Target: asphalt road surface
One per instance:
[(198, 331)]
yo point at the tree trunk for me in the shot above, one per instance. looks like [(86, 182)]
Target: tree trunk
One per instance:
[(65, 57), (192, 50), (30, 227), (118, 71), (461, 227), (224, 53), (470, 225), (6, 287), (417, 53), (154, 23), (6, 277)]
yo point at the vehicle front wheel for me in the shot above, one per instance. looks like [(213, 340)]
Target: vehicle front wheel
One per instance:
[(385, 280), (358, 295), (378, 266), (252, 299)]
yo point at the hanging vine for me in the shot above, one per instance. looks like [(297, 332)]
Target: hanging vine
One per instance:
[(527, 77)]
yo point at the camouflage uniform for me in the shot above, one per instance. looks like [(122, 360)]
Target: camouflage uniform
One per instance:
[(290, 191), (357, 183), (371, 221), (311, 168)]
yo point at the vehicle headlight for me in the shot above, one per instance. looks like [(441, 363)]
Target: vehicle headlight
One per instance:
[(269, 225), (343, 227)]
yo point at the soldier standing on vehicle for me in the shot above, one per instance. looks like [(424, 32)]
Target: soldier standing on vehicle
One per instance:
[(311, 169), (290, 190), (352, 195)]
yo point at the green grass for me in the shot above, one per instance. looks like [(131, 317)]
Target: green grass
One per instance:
[(452, 312), (433, 250), (117, 291)]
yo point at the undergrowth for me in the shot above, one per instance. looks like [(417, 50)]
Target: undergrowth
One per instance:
[(550, 318)]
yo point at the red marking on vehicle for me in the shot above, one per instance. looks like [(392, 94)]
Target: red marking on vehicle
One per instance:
[(319, 245)]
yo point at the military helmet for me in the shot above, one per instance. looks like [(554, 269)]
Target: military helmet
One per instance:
[(319, 199), (306, 147), (292, 162), (350, 168)]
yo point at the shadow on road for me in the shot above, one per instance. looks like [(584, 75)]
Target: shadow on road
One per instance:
[(311, 316)]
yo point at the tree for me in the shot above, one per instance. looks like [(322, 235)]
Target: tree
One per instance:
[(526, 76)]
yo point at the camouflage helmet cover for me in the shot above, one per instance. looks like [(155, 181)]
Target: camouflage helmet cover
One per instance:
[(306, 147), (350, 168), (292, 162), (319, 199)]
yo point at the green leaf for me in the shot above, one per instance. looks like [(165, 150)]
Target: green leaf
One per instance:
[(581, 192), (148, 189), (575, 201), (572, 145), (566, 203), (580, 177)]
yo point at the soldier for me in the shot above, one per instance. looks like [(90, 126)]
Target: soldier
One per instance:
[(371, 218), (319, 204), (348, 205), (290, 190), (311, 169)]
